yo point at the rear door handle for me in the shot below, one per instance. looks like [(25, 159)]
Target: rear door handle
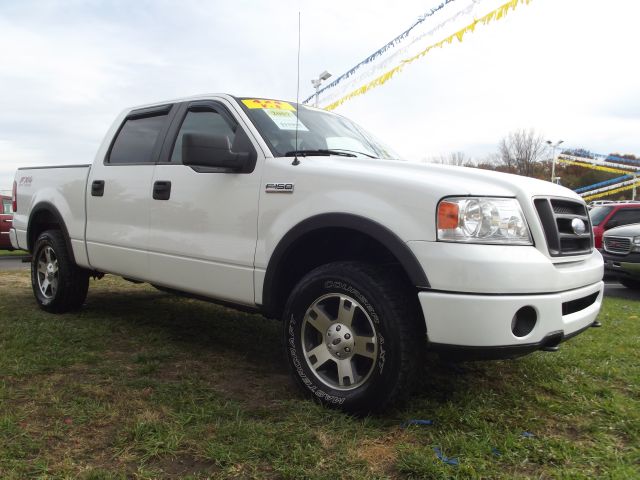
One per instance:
[(97, 188), (162, 190)]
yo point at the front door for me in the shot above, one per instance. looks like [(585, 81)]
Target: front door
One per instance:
[(203, 224)]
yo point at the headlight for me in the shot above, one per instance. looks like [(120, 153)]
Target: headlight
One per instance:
[(635, 247), (482, 220)]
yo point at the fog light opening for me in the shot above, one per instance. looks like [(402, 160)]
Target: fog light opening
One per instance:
[(524, 321)]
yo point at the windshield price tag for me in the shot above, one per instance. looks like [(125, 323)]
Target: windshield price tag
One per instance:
[(285, 119), (267, 104)]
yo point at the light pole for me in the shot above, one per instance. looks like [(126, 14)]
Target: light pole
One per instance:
[(553, 163), (318, 81)]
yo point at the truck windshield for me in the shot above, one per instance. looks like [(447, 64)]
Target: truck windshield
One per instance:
[(319, 131), (598, 214)]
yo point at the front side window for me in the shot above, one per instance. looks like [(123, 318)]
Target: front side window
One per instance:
[(316, 130), (6, 207), (207, 122), (136, 139)]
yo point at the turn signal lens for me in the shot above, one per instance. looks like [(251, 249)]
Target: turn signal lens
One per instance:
[(448, 215)]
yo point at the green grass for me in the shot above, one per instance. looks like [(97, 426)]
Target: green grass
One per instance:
[(141, 384), (13, 253)]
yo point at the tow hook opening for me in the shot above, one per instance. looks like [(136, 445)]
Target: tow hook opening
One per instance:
[(524, 321)]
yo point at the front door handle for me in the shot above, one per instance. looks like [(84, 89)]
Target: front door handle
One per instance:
[(97, 188), (161, 190)]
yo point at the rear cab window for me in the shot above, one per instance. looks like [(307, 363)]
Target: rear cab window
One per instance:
[(6, 207), (139, 138)]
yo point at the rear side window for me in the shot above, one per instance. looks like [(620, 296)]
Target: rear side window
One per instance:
[(136, 140), (625, 216)]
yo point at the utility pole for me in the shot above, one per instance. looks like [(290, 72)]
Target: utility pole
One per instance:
[(317, 82), (553, 163)]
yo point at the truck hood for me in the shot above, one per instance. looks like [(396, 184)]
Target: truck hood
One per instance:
[(632, 230), (442, 179)]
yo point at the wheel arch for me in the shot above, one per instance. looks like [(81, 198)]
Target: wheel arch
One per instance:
[(45, 216), (379, 238)]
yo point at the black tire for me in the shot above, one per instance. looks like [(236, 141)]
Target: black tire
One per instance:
[(629, 283), (72, 282), (381, 305)]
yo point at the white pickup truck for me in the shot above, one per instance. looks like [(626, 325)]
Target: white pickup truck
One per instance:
[(301, 215)]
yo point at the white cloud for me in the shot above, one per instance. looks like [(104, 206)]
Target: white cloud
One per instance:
[(565, 68)]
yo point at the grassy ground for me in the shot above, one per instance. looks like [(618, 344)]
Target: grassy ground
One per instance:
[(141, 384), (13, 253)]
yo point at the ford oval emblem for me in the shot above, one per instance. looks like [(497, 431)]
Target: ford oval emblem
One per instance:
[(578, 226)]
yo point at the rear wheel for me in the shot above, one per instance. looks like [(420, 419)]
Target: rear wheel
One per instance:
[(629, 283), (59, 285), (353, 336)]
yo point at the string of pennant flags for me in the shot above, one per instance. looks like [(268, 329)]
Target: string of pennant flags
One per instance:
[(335, 101), (382, 50), (399, 53)]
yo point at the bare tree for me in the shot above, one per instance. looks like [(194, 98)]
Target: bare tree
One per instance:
[(520, 150), (458, 159)]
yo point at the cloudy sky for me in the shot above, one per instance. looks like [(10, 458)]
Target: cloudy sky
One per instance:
[(567, 68)]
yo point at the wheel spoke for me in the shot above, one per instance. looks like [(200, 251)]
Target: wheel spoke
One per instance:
[(55, 265), (42, 267), (345, 372), (54, 286), (44, 286), (321, 354), (346, 311), (319, 320), (360, 346), (47, 254)]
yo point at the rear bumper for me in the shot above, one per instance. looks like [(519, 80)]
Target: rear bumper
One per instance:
[(483, 323), (13, 238)]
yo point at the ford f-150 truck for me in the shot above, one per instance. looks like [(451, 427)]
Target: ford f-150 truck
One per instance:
[(301, 215)]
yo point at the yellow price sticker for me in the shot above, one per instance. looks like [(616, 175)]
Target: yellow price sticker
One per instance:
[(267, 104)]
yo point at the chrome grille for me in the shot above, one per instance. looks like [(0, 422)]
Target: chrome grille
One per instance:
[(556, 216), (620, 245)]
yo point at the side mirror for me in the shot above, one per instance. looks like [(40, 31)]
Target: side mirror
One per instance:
[(202, 150)]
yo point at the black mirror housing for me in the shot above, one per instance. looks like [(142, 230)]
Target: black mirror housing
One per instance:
[(204, 150)]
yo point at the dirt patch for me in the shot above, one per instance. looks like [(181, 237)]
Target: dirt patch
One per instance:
[(381, 454)]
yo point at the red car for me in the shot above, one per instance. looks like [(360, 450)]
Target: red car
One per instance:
[(6, 216), (612, 215)]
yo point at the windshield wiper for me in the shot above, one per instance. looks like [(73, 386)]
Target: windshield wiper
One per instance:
[(356, 151), (320, 151)]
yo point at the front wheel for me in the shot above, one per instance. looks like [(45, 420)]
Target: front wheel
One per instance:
[(59, 285), (353, 336)]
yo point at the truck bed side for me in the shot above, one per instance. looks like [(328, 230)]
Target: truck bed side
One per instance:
[(52, 191)]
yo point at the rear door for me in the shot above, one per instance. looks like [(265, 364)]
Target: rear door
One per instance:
[(119, 194), (203, 222)]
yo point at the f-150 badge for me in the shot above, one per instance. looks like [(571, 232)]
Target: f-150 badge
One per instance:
[(279, 188)]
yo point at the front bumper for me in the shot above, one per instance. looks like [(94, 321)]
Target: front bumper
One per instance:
[(625, 266), (483, 324)]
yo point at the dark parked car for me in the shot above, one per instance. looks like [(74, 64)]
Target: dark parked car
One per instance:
[(622, 254), (612, 215), (6, 217)]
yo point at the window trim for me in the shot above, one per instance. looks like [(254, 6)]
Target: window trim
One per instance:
[(136, 114)]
